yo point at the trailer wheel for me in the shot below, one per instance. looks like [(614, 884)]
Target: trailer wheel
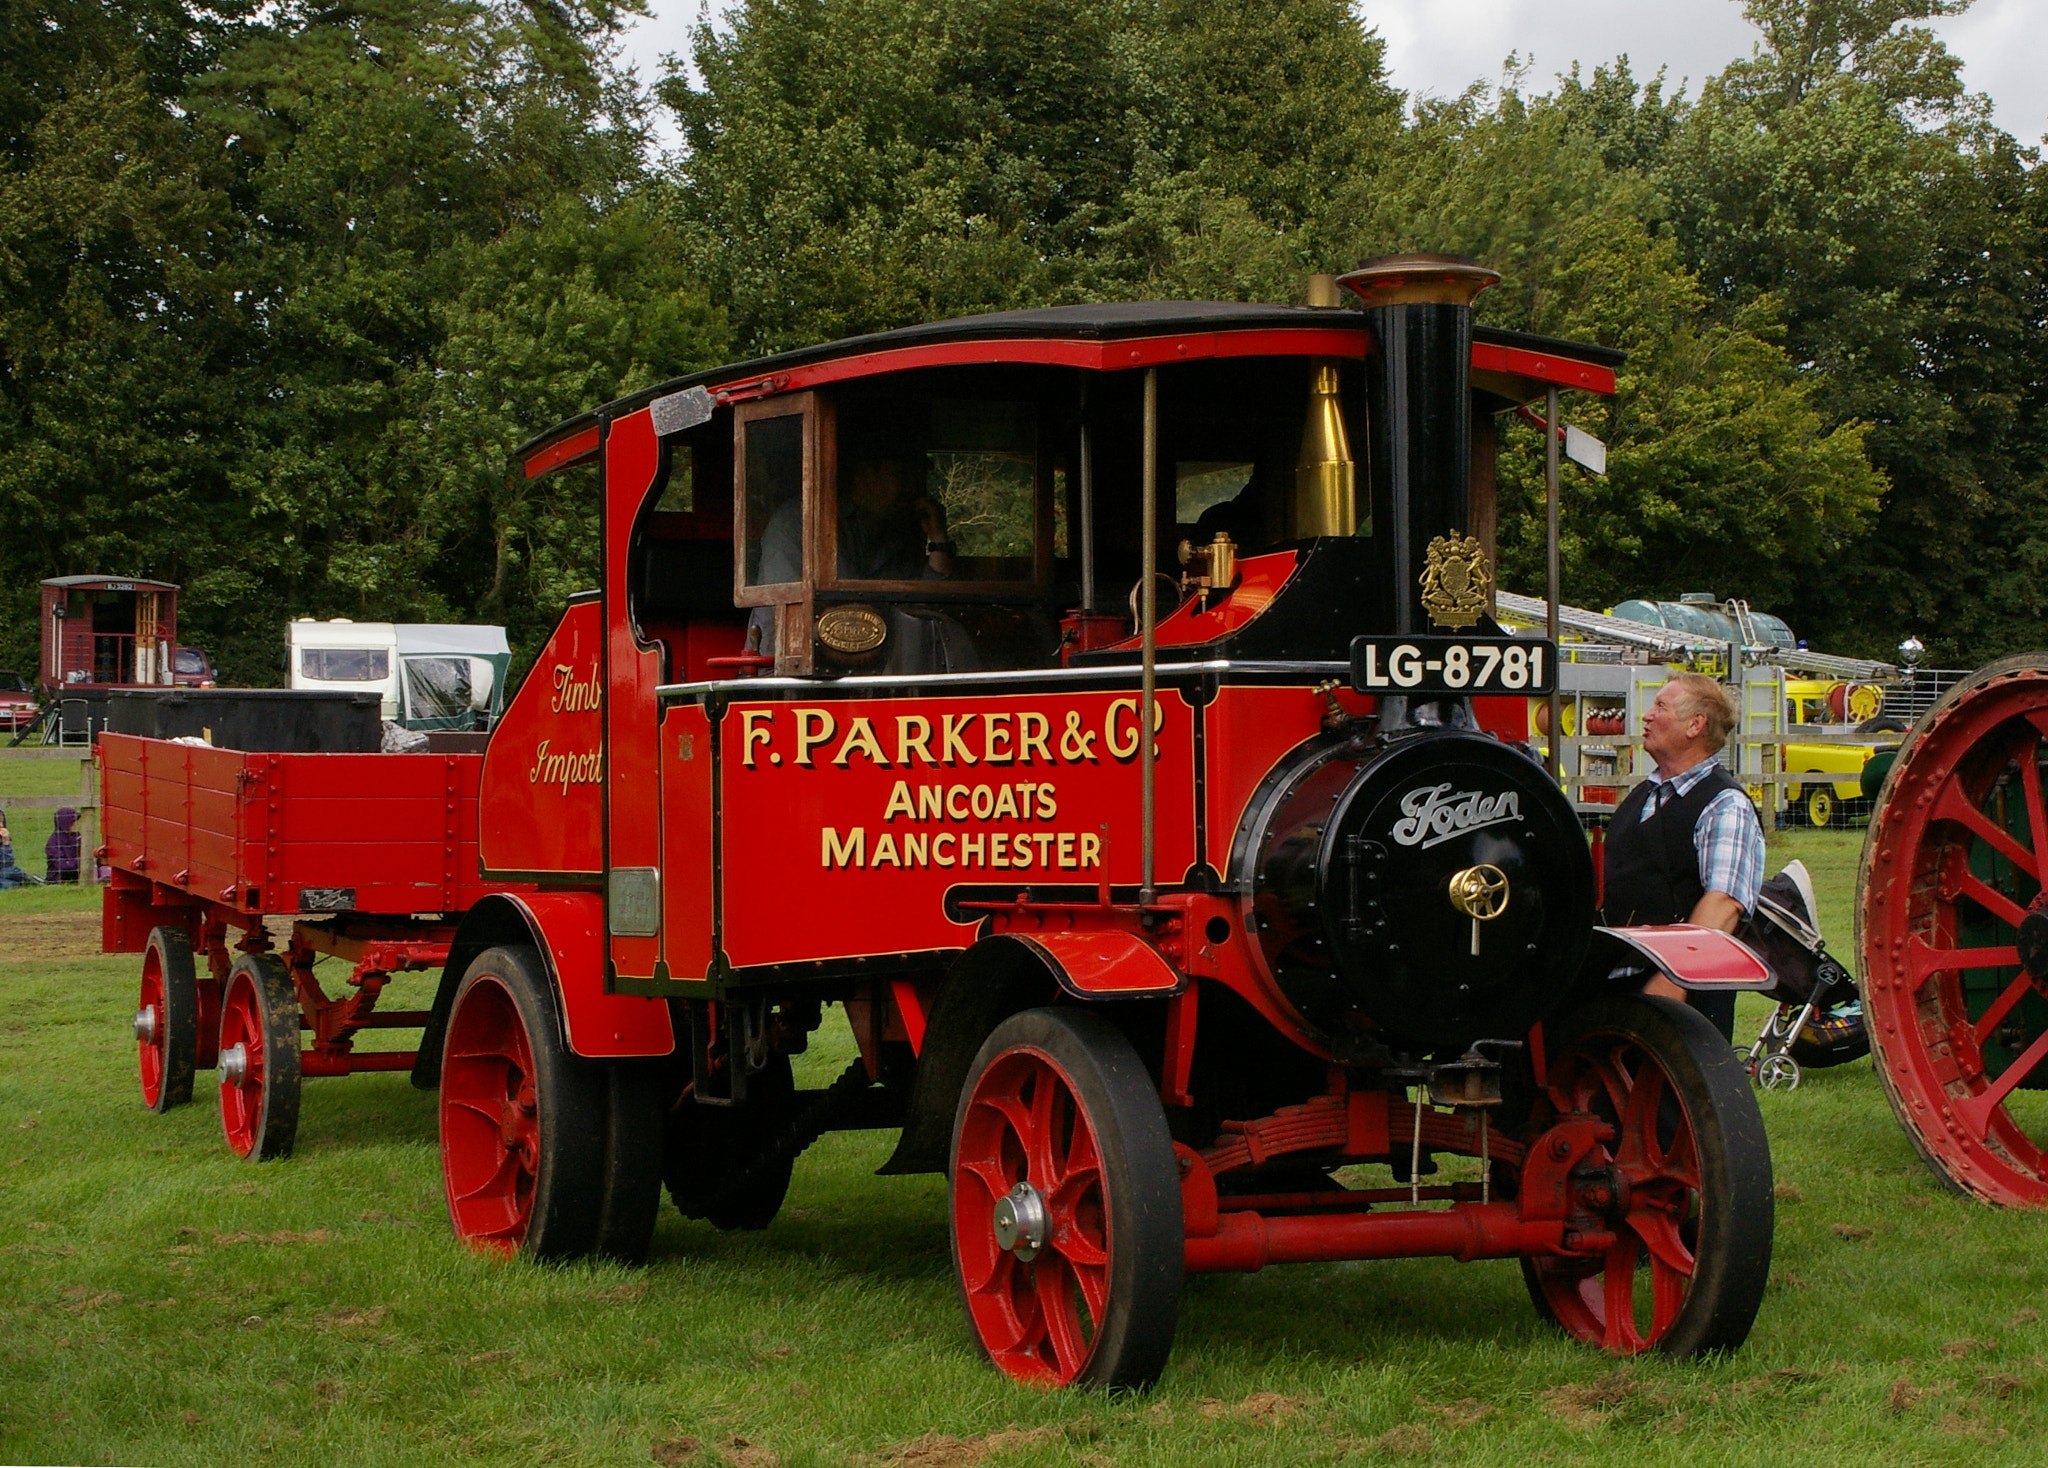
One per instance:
[(522, 1119), (259, 1058), (167, 1020), (1951, 921), (1820, 807), (1689, 1173), (1068, 1238)]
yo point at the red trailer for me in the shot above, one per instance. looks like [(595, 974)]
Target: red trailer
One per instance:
[(1161, 892)]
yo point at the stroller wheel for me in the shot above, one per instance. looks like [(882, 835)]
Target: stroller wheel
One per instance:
[(1778, 1073)]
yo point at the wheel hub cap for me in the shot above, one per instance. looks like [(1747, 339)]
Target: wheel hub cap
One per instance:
[(145, 1024), (234, 1065), (1020, 1222)]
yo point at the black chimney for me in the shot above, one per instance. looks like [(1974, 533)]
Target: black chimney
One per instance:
[(1419, 308)]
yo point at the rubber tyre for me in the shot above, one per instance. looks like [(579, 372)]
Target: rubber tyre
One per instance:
[(1727, 1225), (707, 1146), (635, 1110), (523, 1121), (170, 984), (1821, 807), (1099, 1305), (260, 1011)]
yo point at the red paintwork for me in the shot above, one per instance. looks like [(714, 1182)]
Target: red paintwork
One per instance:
[(1542, 367), (799, 779), (69, 642), (632, 671), (1189, 625), (563, 452), (542, 790), (569, 929), (251, 832), (1698, 958), (1101, 961), (686, 853)]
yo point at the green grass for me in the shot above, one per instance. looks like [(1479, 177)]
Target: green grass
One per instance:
[(161, 1302)]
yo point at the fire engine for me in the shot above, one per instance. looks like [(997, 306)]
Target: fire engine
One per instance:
[(1100, 707)]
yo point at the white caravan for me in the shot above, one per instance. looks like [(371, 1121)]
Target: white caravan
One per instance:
[(431, 676)]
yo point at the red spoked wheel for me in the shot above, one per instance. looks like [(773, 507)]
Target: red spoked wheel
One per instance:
[(167, 1020), (259, 1058), (522, 1119), (1684, 1185), (1067, 1230), (1950, 906)]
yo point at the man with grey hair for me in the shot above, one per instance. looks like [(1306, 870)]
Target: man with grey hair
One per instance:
[(1685, 845)]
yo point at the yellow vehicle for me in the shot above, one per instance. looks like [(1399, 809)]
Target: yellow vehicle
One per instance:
[(1839, 708)]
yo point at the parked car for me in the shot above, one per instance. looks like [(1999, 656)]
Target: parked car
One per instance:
[(19, 707), (192, 668)]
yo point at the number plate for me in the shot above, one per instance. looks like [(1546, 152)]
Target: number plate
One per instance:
[(1457, 665)]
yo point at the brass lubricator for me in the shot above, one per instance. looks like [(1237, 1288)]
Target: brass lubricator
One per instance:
[(1481, 893), (1211, 568)]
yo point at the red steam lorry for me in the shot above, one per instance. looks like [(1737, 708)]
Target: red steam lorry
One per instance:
[(857, 719)]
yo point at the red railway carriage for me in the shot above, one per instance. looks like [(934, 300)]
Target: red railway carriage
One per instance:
[(1093, 705)]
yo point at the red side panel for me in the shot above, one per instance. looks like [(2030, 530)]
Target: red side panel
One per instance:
[(601, 1025), (285, 833), (543, 777), (686, 876), (632, 454), (847, 822), (1259, 581)]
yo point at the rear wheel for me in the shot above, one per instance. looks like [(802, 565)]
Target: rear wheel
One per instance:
[(167, 1020), (1820, 807), (1068, 1238), (259, 1058), (1690, 1172), (522, 1119)]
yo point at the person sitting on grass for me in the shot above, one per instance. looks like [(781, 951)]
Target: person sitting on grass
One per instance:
[(61, 851), (10, 874)]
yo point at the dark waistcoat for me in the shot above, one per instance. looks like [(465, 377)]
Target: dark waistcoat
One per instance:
[(1652, 869)]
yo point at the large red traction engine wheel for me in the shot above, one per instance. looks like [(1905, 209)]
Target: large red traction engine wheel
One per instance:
[(1953, 929)]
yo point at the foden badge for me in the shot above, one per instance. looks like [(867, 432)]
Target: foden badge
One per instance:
[(1456, 580)]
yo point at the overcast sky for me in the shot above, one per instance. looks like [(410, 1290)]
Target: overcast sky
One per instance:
[(1442, 46)]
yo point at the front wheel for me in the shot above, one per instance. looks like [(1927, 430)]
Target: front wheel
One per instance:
[(1068, 1238), (523, 1120), (1692, 1213), (1820, 807)]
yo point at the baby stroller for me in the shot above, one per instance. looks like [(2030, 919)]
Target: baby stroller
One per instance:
[(1819, 1019)]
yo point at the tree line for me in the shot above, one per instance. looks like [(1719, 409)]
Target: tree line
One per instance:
[(284, 283)]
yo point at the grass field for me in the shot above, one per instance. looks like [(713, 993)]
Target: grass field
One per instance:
[(162, 1303), (33, 775)]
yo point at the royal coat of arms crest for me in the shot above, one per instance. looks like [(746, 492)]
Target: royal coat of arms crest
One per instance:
[(1455, 580)]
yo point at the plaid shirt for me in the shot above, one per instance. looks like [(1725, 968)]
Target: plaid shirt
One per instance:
[(1727, 836)]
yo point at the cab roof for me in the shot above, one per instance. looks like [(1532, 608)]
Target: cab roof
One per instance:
[(1516, 366)]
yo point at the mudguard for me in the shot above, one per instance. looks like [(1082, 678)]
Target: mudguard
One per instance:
[(1691, 957), (1103, 963), (568, 929)]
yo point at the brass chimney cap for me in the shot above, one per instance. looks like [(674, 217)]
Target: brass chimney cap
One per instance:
[(1429, 280)]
